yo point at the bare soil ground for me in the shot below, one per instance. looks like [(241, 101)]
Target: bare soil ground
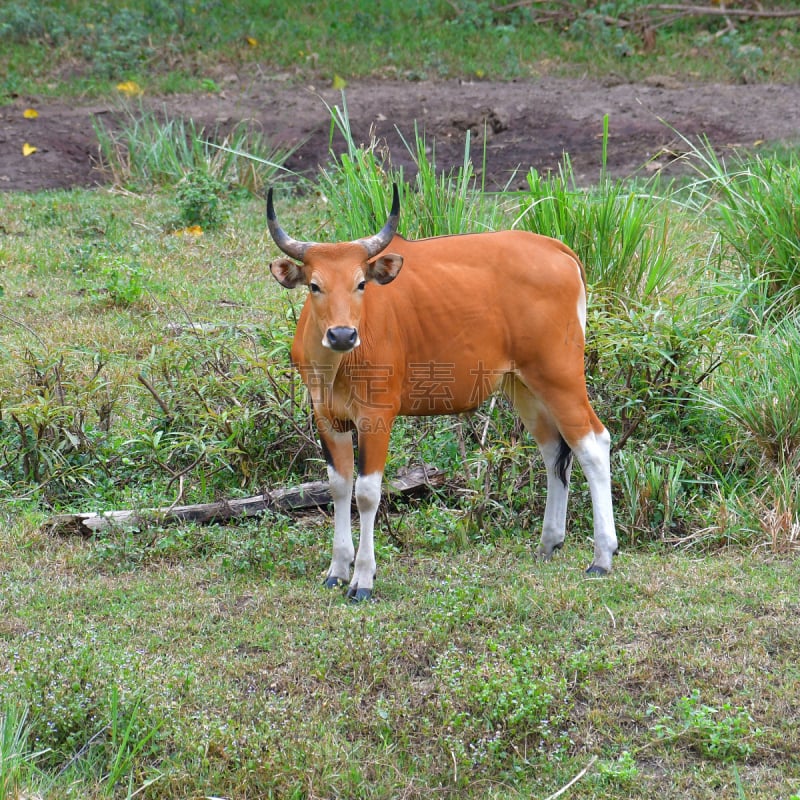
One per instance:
[(525, 124)]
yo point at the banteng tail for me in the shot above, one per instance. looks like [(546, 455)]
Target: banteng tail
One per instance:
[(563, 461)]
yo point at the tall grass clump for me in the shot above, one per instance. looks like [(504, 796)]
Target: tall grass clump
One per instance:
[(449, 202), (149, 149), (18, 771), (358, 185), (753, 409), (754, 204), (758, 394), (622, 234), (445, 203)]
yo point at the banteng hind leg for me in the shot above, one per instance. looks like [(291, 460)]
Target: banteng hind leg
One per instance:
[(557, 461), (593, 452), (562, 430)]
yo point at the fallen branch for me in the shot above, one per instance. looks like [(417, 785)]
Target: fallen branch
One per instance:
[(569, 13), (720, 11), (305, 496)]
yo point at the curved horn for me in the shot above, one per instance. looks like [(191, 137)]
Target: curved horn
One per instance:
[(374, 244), (292, 247)]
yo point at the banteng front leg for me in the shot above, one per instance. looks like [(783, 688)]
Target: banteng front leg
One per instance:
[(373, 446), (338, 450)]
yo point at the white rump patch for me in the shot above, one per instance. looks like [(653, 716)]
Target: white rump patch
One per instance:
[(581, 300), (582, 311)]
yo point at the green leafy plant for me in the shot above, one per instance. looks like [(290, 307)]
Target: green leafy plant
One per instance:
[(757, 392), (55, 425), (721, 733), (621, 771), (33, 21), (226, 406), (505, 699), (653, 494), (119, 282), (645, 361)]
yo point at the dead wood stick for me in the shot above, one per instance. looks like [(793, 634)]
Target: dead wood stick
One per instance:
[(154, 394), (305, 496), (721, 11), (684, 10)]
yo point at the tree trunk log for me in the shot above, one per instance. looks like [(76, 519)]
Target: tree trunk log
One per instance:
[(299, 498)]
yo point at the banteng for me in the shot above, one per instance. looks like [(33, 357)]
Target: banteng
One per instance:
[(397, 327)]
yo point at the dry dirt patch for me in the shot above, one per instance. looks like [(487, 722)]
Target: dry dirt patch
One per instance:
[(525, 124)]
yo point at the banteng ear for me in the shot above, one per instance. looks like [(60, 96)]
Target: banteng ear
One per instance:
[(385, 269), (287, 273)]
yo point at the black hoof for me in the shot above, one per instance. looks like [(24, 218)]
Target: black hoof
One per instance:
[(359, 595), (332, 582), (595, 570), (557, 546)]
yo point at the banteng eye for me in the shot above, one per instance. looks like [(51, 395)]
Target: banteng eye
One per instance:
[(314, 288), (362, 286)]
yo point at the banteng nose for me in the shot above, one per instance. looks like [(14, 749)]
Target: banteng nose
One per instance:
[(342, 338)]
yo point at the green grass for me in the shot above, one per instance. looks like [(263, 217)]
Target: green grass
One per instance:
[(145, 362), (476, 675), (53, 48), (166, 661)]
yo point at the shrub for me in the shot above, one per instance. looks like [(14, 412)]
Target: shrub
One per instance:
[(227, 412), (55, 426), (201, 200)]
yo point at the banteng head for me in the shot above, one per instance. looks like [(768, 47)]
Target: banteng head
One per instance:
[(336, 275)]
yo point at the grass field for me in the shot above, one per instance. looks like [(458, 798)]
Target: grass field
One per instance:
[(476, 674), (145, 362), (87, 48)]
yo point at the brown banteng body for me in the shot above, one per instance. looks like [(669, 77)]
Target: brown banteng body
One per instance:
[(395, 327)]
